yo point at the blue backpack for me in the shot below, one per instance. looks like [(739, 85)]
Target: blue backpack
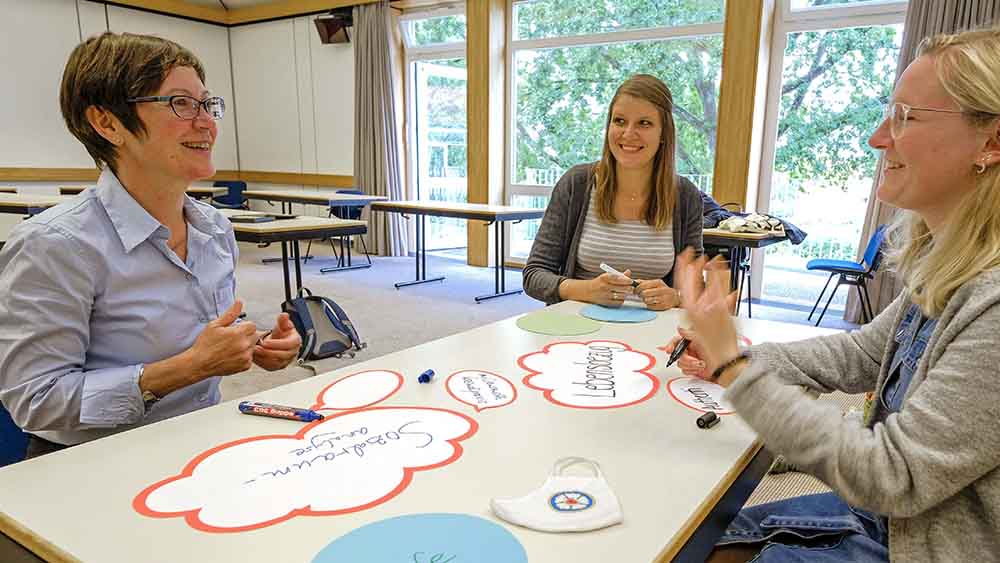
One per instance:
[(323, 326)]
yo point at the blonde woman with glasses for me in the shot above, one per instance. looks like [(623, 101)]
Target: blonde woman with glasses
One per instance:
[(919, 480), (118, 308)]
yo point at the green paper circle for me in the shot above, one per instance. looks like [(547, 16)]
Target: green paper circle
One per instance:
[(557, 324)]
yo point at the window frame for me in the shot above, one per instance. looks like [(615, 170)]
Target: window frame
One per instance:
[(411, 55), (837, 11), (787, 21), (429, 13), (512, 188)]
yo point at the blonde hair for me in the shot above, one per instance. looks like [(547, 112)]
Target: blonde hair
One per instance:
[(660, 208), (969, 244)]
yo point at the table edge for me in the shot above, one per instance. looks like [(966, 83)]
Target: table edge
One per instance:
[(31, 541), (708, 504)]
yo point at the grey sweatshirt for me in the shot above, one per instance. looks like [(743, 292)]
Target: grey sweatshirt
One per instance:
[(932, 468), (553, 254)]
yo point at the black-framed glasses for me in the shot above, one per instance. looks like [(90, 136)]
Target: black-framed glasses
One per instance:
[(898, 113), (188, 107)]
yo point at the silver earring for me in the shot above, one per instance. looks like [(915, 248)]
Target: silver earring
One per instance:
[(980, 167)]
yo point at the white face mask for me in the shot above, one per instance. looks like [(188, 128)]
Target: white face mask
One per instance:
[(564, 503)]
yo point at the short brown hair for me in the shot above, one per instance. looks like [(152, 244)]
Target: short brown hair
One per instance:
[(660, 208), (108, 69)]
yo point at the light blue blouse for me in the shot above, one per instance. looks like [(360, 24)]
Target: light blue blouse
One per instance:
[(89, 292)]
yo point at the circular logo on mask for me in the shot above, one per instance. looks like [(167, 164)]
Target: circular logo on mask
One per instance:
[(571, 501)]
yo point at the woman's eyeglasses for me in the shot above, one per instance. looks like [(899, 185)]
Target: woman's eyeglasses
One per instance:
[(897, 114), (188, 107)]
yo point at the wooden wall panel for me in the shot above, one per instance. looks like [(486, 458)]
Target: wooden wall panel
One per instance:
[(208, 14), (485, 61), (745, 55), (285, 8), (15, 175)]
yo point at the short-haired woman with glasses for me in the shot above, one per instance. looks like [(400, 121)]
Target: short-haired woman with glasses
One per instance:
[(919, 478), (118, 308)]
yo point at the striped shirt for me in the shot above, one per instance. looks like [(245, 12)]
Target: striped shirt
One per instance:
[(625, 245)]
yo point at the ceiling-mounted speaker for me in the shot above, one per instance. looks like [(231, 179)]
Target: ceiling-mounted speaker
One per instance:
[(333, 27)]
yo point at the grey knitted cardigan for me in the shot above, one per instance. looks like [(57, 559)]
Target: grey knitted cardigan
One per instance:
[(934, 467), (553, 254)]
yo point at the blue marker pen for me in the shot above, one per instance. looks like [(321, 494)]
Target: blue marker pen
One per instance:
[(426, 376), (279, 411)]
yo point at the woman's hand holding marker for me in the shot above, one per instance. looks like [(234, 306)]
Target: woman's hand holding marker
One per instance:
[(709, 308)]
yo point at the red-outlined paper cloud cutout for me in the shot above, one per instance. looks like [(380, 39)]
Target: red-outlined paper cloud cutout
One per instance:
[(359, 390), (346, 463), (599, 374), (699, 395), (481, 389)]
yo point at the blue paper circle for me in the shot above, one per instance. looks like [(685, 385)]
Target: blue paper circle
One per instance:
[(623, 314), (426, 538)]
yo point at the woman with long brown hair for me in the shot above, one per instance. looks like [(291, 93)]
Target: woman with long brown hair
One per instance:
[(629, 210)]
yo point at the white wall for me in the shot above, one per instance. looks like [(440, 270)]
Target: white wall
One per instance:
[(210, 43), (295, 99), (36, 38), (291, 97)]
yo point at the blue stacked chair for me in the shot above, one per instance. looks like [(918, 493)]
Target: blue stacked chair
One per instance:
[(13, 440), (233, 199), (851, 273), (352, 212)]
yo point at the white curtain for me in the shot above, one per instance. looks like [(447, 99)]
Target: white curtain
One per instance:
[(377, 168)]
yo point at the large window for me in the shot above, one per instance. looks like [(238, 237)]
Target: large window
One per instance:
[(567, 59), (436, 98), (835, 66)]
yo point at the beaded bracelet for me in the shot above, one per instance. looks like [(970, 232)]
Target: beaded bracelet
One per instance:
[(744, 355)]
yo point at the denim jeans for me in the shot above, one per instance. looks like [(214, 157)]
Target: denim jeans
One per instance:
[(820, 528)]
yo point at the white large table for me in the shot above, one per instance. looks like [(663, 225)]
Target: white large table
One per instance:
[(286, 229), (197, 192), (289, 230), (331, 199), (28, 204), (327, 198), (77, 504), (490, 214)]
